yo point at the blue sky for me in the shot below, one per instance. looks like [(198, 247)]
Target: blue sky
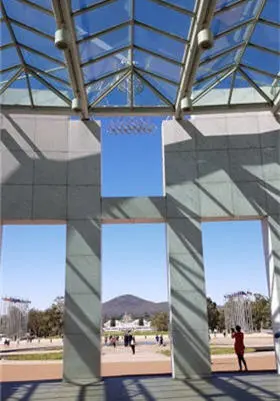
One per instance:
[(134, 256)]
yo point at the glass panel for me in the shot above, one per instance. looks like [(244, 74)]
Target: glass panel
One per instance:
[(104, 17), (119, 97), (4, 34), (267, 84), (43, 3), (242, 12), (244, 93), (162, 17), (218, 95), (167, 89), (104, 44), (223, 3), (17, 93), (201, 86), (158, 43), (227, 41), (154, 64), (216, 65), (38, 61), (43, 96), (78, 4), (95, 90), (187, 5), (271, 11), (266, 36), (263, 60), (64, 89), (30, 16), (6, 76), (105, 66), (37, 42), (144, 96), (8, 58), (59, 72)]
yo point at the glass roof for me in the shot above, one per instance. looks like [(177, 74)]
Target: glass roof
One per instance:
[(129, 56)]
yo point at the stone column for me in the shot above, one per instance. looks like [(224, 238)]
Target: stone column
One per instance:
[(189, 324), (82, 320), (271, 239)]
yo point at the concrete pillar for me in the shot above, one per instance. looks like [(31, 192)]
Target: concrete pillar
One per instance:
[(82, 320), (271, 239), (189, 324)]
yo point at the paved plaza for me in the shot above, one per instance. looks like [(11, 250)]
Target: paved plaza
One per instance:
[(222, 387)]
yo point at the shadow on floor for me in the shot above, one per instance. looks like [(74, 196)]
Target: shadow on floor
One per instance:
[(226, 387)]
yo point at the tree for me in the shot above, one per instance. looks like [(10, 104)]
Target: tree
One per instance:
[(141, 322), (261, 312), (221, 322), (213, 314), (160, 321)]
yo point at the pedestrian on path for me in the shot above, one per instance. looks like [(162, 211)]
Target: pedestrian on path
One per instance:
[(132, 345), (239, 346)]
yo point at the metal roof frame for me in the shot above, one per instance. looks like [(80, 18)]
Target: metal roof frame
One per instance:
[(201, 17), (63, 17)]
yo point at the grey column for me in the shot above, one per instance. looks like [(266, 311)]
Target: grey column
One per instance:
[(271, 237), (189, 324), (82, 320)]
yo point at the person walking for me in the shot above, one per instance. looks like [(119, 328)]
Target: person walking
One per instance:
[(161, 340), (239, 346), (132, 345)]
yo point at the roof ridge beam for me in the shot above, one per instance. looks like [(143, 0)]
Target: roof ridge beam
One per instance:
[(202, 19), (63, 16)]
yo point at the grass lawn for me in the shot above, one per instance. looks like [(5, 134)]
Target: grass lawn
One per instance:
[(214, 351), (48, 356), (55, 356)]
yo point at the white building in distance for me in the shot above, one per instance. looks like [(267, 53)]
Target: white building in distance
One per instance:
[(127, 324)]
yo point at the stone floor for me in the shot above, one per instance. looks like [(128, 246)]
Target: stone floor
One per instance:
[(220, 387)]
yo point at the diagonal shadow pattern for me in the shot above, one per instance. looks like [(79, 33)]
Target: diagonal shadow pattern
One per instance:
[(262, 195)]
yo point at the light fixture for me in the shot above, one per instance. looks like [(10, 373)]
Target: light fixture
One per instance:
[(205, 39), (61, 39)]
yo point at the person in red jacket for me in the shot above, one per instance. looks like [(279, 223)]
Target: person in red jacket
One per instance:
[(239, 346)]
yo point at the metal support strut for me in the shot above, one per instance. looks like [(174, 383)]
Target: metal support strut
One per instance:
[(63, 17), (204, 14)]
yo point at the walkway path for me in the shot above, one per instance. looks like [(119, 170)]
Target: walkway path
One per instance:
[(26, 370)]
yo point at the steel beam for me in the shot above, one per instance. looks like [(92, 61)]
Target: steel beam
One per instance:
[(153, 89), (63, 17), (110, 89), (276, 106), (212, 85), (203, 17), (37, 7), (251, 29), (258, 70), (147, 111), (264, 49), (11, 80), (158, 55), (255, 86), (93, 7), (174, 7)]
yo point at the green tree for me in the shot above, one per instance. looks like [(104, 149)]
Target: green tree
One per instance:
[(221, 322), (160, 321), (261, 312), (213, 314)]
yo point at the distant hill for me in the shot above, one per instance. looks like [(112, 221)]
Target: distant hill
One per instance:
[(132, 305)]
